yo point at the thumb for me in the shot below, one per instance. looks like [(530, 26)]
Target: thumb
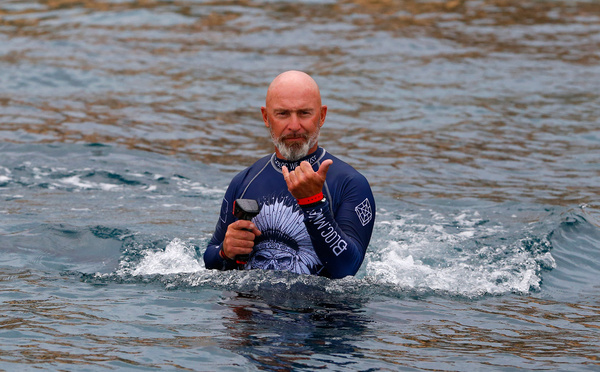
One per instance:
[(324, 168)]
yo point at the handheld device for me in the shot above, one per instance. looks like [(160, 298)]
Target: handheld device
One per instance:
[(245, 209)]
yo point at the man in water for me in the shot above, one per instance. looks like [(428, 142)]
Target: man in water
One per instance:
[(317, 212)]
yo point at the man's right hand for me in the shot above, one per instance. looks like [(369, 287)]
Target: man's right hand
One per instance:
[(239, 238)]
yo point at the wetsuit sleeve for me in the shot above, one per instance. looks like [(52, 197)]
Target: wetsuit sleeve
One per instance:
[(341, 241), (212, 259)]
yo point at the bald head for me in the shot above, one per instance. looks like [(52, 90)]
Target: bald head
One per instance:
[(295, 83)]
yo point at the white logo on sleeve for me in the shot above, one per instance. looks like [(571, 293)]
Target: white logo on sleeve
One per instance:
[(364, 212), (224, 210)]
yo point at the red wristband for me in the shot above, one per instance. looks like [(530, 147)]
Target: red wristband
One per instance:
[(223, 256), (311, 199)]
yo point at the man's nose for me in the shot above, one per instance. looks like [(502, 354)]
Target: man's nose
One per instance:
[(294, 123)]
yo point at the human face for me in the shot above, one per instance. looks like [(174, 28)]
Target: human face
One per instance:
[(295, 146), (294, 116)]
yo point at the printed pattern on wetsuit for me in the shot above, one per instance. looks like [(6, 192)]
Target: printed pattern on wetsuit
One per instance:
[(284, 243)]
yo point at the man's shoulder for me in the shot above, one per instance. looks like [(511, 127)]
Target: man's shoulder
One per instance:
[(260, 163), (341, 168), (254, 168)]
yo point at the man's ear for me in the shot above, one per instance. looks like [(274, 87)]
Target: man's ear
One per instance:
[(323, 114), (263, 111)]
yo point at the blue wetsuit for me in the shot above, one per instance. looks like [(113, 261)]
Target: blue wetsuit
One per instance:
[(329, 238)]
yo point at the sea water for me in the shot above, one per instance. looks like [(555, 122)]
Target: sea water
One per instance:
[(476, 123)]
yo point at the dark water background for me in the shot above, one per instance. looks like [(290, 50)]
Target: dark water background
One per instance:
[(476, 122)]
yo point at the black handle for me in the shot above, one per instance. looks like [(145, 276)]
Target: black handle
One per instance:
[(245, 209)]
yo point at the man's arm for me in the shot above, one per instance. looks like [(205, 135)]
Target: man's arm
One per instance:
[(213, 258), (238, 240), (231, 237), (340, 241)]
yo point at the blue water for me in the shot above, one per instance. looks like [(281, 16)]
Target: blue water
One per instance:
[(476, 123)]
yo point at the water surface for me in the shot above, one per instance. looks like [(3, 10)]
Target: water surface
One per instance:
[(476, 123)]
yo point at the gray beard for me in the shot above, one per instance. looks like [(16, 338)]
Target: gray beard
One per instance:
[(295, 151)]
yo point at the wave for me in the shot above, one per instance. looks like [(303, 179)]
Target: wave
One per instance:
[(461, 255), (461, 252), (108, 171), (457, 254), (576, 246)]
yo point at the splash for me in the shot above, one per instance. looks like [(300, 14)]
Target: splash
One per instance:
[(458, 254), (177, 258), (422, 253)]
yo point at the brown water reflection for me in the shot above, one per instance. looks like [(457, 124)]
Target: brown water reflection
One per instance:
[(101, 331), (48, 330), (487, 99), (528, 329)]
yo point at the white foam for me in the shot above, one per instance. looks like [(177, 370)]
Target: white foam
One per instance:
[(177, 257), (187, 186), (457, 278), (77, 182), (444, 256)]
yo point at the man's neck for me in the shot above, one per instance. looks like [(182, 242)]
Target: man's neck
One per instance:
[(312, 158)]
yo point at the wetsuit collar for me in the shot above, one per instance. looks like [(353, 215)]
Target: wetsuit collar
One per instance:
[(291, 165)]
